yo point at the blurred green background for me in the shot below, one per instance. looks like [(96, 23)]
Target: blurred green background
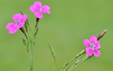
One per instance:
[(70, 22)]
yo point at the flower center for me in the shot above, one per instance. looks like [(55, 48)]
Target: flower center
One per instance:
[(17, 23), (92, 46), (40, 10)]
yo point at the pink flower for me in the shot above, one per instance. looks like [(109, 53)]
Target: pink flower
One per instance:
[(19, 22), (92, 46), (38, 9)]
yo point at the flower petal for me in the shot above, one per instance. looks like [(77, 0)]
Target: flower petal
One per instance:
[(37, 4), (89, 51), (86, 43), (17, 17), (10, 25), (98, 46), (47, 12), (93, 39), (13, 30), (45, 7), (24, 17), (38, 15), (21, 24), (97, 53), (33, 9)]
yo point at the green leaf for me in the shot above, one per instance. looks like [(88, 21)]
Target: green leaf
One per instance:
[(52, 52), (24, 41)]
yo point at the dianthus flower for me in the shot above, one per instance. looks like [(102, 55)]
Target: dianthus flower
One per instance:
[(93, 46), (38, 9), (19, 22)]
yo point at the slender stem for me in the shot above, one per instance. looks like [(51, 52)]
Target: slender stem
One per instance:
[(31, 57), (31, 62), (31, 48), (54, 66), (78, 62), (30, 53), (64, 65), (67, 63), (82, 52)]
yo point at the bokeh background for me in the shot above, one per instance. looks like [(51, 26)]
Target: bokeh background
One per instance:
[(70, 22)]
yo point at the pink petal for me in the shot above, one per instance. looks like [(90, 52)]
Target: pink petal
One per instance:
[(17, 17), (47, 12), (89, 51), (10, 25), (86, 43), (24, 17), (38, 15), (13, 30), (93, 39), (45, 7), (97, 53), (98, 46), (37, 4), (33, 9), (21, 24)]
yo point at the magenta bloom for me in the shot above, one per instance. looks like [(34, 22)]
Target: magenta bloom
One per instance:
[(38, 9), (19, 22), (92, 46)]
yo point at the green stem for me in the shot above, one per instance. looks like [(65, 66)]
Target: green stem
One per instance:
[(67, 63), (79, 61), (64, 66), (30, 53), (82, 52), (54, 66), (31, 62)]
